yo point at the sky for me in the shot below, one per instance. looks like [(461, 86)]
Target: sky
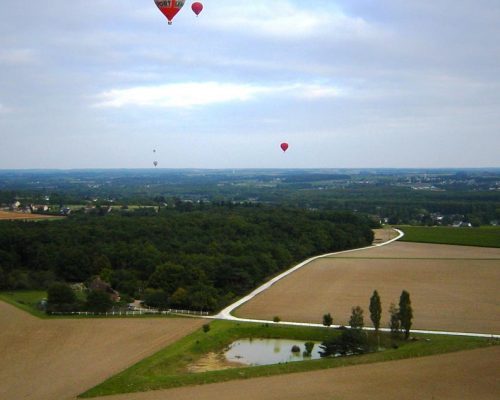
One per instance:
[(348, 84)]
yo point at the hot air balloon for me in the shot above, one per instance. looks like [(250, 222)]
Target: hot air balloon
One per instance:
[(155, 163), (284, 146), (197, 7), (170, 8)]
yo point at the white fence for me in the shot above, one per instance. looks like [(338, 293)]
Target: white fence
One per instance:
[(134, 313)]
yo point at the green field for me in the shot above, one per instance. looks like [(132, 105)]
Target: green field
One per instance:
[(168, 367), (483, 237), (26, 300)]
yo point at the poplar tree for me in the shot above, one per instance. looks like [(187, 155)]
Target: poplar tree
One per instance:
[(375, 310), (405, 312)]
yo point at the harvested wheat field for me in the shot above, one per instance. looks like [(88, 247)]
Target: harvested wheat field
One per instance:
[(7, 215), (59, 359), (453, 288), (456, 376)]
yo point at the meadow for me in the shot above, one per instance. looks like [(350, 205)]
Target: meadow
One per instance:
[(487, 236)]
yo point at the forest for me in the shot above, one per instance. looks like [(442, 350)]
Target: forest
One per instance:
[(200, 257)]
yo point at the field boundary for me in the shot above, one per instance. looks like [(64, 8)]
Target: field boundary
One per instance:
[(226, 312)]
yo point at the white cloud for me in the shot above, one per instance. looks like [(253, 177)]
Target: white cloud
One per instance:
[(281, 18), (190, 94), (17, 56)]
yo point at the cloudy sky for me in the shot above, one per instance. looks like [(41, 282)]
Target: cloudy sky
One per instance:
[(349, 83)]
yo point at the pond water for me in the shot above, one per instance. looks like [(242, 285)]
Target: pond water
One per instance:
[(268, 351)]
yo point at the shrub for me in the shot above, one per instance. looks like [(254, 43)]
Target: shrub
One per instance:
[(276, 319), (309, 347), (206, 328), (349, 342), (327, 319), (98, 301)]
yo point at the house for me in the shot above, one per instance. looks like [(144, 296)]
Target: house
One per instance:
[(65, 211)]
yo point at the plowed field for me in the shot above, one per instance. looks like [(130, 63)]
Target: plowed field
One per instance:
[(7, 215), (453, 288), (59, 359)]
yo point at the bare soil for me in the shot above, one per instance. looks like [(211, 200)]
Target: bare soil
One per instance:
[(213, 362), (59, 359), (452, 288), (384, 235), (465, 375), (8, 215)]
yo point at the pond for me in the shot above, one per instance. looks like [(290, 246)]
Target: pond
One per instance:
[(268, 351)]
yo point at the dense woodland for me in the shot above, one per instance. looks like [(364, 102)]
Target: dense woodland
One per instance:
[(198, 258)]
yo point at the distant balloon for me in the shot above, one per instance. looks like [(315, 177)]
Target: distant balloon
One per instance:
[(154, 151), (170, 8), (284, 146), (197, 7), (155, 163)]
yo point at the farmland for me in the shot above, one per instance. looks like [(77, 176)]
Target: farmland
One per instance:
[(170, 367), (483, 237), (58, 359), (456, 376), (443, 282), (13, 216)]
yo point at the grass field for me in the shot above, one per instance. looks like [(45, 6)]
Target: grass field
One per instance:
[(168, 368), (483, 237), (26, 300)]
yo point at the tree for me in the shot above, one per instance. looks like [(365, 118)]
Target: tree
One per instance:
[(98, 301), (375, 310), (394, 322), (357, 321), (327, 320), (156, 298), (60, 297), (309, 347), (405, 312)]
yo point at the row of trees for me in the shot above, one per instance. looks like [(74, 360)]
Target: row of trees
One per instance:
[(355, 340), (400, 317)]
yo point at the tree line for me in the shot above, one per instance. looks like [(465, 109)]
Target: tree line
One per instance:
[(196, 258)]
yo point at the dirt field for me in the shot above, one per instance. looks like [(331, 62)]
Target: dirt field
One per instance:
[(384, 235), (471, 375), (59, 359), (7, 215), (452, 288)]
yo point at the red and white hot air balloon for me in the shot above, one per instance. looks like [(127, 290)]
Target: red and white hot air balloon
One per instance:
[(284, 147), (170, 8), (197, 7)]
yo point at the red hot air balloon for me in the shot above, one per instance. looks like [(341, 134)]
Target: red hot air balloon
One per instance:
[(170, 8), (284, 146), (197, 7)]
